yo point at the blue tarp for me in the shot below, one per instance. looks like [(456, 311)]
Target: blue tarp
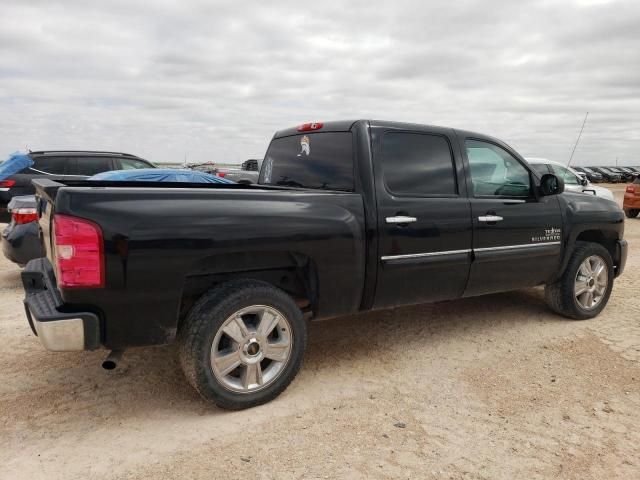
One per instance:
[(17, 161), (159, 175)]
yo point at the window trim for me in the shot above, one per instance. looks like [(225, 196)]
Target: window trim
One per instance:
[(454, 169), (532, 190)]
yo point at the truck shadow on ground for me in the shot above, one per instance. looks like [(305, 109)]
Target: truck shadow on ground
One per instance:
[(149, 380)]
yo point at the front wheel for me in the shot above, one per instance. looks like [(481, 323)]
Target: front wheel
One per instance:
[(584, 288), (631, 212), (242, 344)]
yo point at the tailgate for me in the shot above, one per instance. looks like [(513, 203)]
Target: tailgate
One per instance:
[(46, 191)]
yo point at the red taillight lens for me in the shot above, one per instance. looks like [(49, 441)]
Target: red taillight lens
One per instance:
[(24, 215), (306, 127), (7, 183), (221, 174), (78, 252)]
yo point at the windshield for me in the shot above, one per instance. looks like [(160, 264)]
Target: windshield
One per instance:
[(567, 175)]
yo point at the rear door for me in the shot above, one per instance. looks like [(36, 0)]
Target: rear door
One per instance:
[(516, 234), (424, 218)]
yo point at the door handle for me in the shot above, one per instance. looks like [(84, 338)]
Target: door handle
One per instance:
[(401, 219), (490, 218)]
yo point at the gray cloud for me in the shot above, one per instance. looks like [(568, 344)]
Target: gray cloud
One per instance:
[(215, 80)]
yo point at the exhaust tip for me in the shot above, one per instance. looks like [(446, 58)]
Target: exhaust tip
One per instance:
[(111, 362), (109, 365)]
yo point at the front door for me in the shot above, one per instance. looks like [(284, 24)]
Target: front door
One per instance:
[(517, 234), (424, 217)]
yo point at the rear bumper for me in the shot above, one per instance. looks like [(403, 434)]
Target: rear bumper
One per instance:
[(620, 259), (57, 328)]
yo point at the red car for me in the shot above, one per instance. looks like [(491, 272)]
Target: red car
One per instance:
[(631, 203)]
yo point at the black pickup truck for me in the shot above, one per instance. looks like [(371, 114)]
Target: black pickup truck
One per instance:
[(347, 216)]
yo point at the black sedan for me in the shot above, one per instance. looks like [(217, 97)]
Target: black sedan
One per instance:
[(21, 239), (591, 174)]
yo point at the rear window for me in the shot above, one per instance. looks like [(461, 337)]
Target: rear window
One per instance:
[(310, 160)]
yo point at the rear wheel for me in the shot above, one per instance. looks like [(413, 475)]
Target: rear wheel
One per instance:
[(631, 212), (242, 344), (585, 286)]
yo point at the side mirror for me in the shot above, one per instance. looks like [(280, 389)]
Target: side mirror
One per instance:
[(584, 181), (551, 184)]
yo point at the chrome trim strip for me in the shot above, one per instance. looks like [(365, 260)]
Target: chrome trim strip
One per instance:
[(428, 254), (513, 247), (467, 250)]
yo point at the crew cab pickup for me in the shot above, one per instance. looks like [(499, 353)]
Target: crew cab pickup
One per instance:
[(347, 216)]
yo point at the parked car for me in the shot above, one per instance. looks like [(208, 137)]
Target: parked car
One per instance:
[(245, 177), (62, 165), (21, 237), (631, 201), (626, 176), (251, 165), (608, 175), (591, 174), (573, 180), (348, 216), (632, 173)]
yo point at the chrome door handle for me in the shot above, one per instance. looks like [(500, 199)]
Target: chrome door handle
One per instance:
[(490, 218), (401, 219)]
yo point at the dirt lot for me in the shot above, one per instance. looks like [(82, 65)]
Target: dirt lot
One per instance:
[(491, 387)]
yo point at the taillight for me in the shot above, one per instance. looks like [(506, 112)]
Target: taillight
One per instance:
[(306, 127), (221, 174), (24, 215), (78, 252), (7, 183)]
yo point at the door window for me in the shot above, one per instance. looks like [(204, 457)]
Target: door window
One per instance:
[(51, 165), (495, 172), (417, 165), (92, 165)]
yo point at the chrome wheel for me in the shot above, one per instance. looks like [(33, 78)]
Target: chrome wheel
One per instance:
[(591, 282), (251, 349)]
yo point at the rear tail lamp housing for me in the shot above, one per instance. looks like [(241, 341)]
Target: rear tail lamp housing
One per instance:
[(21, 216), (78, 252), (7, 183)]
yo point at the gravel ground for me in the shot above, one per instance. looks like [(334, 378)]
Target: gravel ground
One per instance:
[(494, 387)]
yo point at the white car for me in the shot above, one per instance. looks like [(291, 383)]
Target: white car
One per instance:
[(573, 181)]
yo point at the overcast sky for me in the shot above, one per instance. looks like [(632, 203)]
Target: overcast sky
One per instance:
[(214, 81)]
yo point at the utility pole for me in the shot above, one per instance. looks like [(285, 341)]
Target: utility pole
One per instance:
[(616, 161), (578, 139)]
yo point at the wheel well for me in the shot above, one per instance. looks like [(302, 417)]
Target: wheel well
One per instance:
[(606, 239), (293, 273)]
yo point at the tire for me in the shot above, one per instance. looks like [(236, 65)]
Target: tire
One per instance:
[(631, 212), (213, 319), (561, 296)]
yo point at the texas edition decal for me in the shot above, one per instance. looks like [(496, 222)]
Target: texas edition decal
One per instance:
[(552, 234)]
